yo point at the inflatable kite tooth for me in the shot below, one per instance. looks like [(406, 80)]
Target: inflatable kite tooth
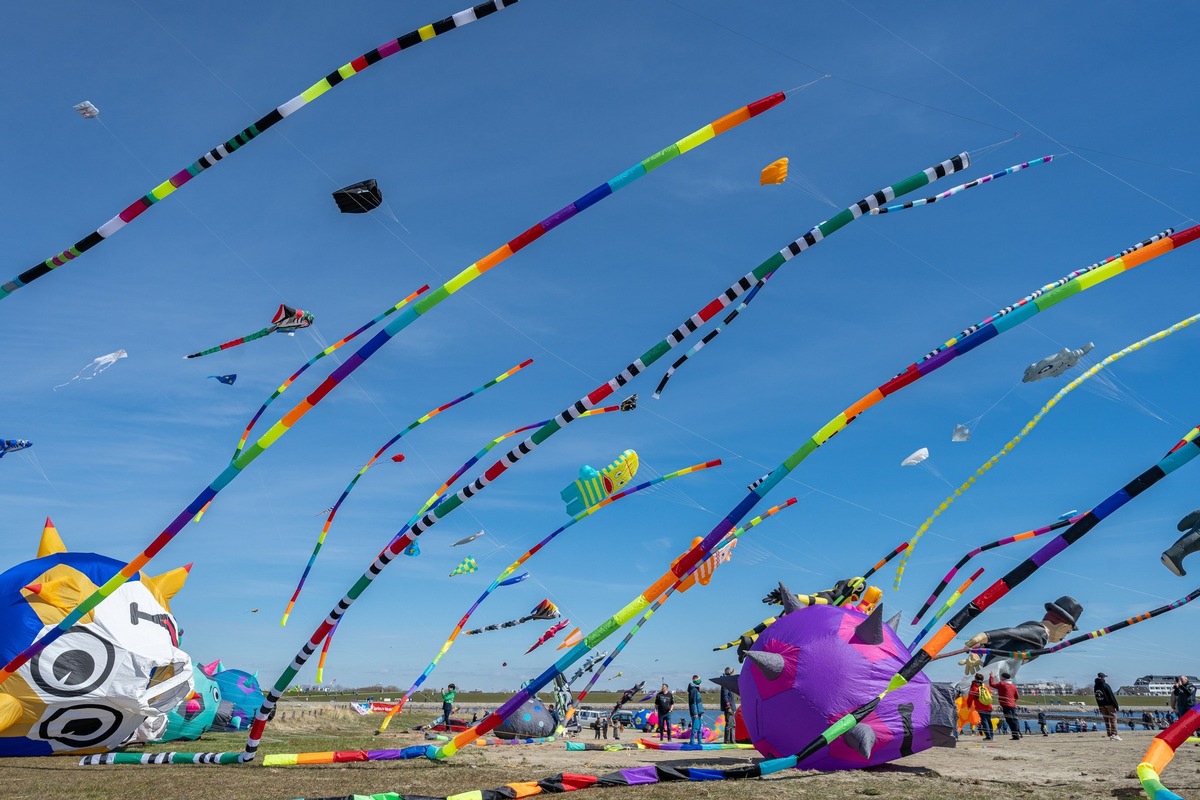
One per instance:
[(1055, 365), (111, 679)]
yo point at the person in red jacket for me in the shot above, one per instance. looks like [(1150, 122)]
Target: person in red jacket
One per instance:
[(1007, 692), (984, 709)]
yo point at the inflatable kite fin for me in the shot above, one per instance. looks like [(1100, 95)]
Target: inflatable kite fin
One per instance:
[(769, 664), (167, 585), (51, 542), (790, 603), (10, 711), (870, 630), (894, 621), (861, 739), (729, 682), (1173, 557), (63, 594)]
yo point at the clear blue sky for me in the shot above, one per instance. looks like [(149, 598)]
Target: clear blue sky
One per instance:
[(475, 136)]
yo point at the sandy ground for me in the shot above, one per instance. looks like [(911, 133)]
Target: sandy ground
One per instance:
[(1062, 766)]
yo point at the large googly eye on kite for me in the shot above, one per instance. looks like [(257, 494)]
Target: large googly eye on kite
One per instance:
[(76, 663), (80, 726)]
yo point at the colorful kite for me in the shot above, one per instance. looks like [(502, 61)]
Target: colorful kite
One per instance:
[(333, 347), (112, 678), (86, 109), (593, 485), (774, 173), (403, 538), (246, 135), (398, 458), (1161, 751), (225, 379), (286, 320), (964, 187), (13, 445), (1045, 409), (503, 578), (548, 635), (98, 365), (465, 567), (358, 198), (945, 607), (1062, 522), (1179, 455), (1006, 318), (413, 550), (570, 640), (543, 610), (1054, 365), (468, 539)]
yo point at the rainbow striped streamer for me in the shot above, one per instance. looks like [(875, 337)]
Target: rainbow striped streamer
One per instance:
[(963, 187), (513, 567), (335, 346), (732, 537), (408, 316), (1179, 455), (941, 612), (421, 420), (1020, 537), (1011, 316), (1051, 403), (209, 159), (1161, 751)]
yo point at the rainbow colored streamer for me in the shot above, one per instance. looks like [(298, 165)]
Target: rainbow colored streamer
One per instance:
[(419, 421), (1029, 306), (941, 612), (1051, 403), (209, 159), (513, 567), (963, 187)]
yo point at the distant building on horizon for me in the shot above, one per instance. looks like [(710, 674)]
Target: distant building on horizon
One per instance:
[(1155, 685)]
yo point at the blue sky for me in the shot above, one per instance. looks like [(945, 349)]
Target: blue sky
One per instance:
[(474, 137)]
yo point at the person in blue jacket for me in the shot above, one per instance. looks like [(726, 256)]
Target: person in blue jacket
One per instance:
[(695, 710)]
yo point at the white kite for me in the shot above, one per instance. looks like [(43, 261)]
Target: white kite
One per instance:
[(470, 538), (87, 110), (97, 366)]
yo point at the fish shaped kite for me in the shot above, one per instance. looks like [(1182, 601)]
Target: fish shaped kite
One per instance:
[(286, 319), (225, 379), (98, 365), (548, 635), (86, 109), (1055, 365), (466, 566), (593, 486), (13, 445), (514, 579), (470, 538), (543, 610)]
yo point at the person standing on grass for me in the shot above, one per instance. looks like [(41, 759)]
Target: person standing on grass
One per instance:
[(448, 704), (695, 710), (664, 701)]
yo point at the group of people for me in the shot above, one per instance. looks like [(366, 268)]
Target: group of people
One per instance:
[(982, 699), (664, 703)]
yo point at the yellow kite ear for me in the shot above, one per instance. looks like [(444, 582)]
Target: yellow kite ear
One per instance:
[(61, 593), (51, 543), (10, 711), (165, 586)]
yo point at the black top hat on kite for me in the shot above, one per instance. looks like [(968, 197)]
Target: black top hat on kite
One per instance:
[(1067, 608)]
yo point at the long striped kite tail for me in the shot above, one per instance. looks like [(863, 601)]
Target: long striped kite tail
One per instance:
[(1161, 751), (1096, 634), (410, 427), (324, 655), (1020, 537), (333, 347), (708, 337), (235, 342), (1042, 412), (1182, 453), (526, 556), (964, 186), (949, 604), (700, 551), (1050, 295), (246, 135)]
